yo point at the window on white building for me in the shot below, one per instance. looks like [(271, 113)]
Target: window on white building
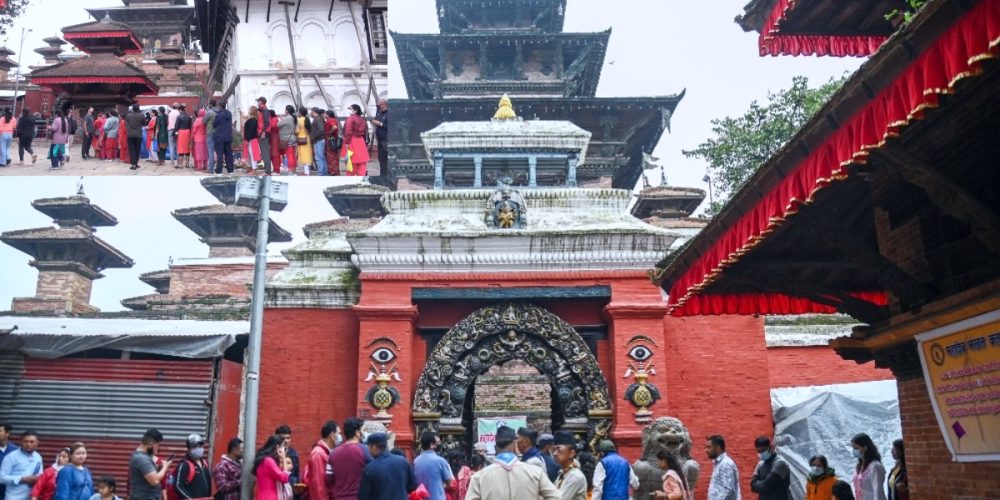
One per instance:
[(378, 41)]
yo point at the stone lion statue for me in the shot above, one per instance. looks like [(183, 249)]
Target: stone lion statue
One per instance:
[(664, 433)]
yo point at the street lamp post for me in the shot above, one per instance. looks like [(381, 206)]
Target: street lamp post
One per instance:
[(17, 74), (711, 199), (265, 196)]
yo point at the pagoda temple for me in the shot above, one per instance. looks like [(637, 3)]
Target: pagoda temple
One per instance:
[(156, 23), (51, 50), (219, 284), (519, 48), (102, 80), (68, 257)]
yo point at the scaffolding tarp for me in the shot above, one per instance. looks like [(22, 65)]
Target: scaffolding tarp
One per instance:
[(821, 420)]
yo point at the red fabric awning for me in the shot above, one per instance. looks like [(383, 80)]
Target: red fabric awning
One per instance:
[(134, 46), (957, 54), (774, 42)]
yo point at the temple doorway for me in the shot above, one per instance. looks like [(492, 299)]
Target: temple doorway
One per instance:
[(470, 373)]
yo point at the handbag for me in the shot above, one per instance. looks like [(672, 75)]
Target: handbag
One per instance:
[(301, 141), (336, 143)]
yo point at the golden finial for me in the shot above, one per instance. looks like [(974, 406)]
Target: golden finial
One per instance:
[(506, 110)]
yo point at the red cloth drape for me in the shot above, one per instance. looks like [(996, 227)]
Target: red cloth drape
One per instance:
[(774, 42), (956, 54)]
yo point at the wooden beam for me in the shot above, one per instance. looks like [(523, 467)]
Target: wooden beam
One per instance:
[(911, 292), (326, 98), (944, 193)]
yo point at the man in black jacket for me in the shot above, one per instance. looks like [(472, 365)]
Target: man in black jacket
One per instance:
[(135, 121), (88, 134), (317, 135), (193, 476), (772, 477)]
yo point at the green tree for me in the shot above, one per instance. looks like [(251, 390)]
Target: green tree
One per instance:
[(743, 143), (11, 11)]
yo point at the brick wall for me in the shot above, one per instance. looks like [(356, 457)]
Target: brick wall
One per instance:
[(512, 389), (308, 371), (932, 473), (817, 365), (719, 383), (57, 291), (217, 251), (189, 281)]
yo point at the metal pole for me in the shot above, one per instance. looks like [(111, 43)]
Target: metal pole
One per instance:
[(291, 46), (252, 381), (17, 75)]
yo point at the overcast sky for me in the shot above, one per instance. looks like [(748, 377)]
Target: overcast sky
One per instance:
[(146, 231), (46, 18), (661, 47)]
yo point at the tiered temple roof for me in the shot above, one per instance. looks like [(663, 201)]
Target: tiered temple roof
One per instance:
[(156, 22), (819, 27), (517, 47)]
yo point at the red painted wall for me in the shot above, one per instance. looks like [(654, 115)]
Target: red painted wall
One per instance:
[(308, 361), (817, 365), (719, 384)]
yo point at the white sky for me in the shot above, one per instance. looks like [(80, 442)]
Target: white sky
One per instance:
[(660, 47), (146, 231), (46, 18)]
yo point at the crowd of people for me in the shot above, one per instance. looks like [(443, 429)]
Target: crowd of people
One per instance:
[(771, 478), (298, 142), (347, 463)]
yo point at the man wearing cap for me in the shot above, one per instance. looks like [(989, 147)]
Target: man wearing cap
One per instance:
[(264, 133), (526, 439), (509, 478), (193, 475), (613, 476), (388, 476), (480, 449), (571, 482), (546, 442)]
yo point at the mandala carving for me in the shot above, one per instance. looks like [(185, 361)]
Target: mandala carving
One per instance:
[(499, 333)]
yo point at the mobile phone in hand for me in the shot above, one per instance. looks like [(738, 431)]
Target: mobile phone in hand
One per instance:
[(171, 458)]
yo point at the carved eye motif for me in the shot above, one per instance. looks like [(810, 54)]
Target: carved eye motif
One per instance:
[(383, 355), (640, 353)]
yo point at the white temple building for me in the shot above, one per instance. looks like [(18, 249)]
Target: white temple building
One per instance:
[(340, 49)]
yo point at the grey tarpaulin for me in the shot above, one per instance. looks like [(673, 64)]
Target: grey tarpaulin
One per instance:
[(46, 337), (821, 421)]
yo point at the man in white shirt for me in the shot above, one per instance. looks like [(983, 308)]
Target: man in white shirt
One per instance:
[(725, 483), (21, 468)]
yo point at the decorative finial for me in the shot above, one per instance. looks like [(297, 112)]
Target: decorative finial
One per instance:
[(107, 16), (79, 187), (663, 176), (645, 180), (506, 110)]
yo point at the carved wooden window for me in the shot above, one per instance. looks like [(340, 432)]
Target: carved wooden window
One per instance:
[(378, 40)]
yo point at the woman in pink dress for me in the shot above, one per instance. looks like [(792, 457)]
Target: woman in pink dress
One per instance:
[(355, 130), (271, 479), (200, 144)]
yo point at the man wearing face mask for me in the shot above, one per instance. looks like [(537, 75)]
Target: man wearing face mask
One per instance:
[(319, 472), (193, 475), (771, 478)]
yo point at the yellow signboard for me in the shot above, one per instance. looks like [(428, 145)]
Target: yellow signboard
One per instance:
[(961, 365)]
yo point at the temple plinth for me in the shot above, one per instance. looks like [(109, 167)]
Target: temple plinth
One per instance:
[(68, 257), (228, 229)]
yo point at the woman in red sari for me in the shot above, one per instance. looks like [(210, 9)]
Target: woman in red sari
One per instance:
[(98, 141), (332, 130), (151, 133), (355, 130), (123, 142), (200, 142)]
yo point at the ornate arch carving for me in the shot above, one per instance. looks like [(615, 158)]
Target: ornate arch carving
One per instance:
[(502, 332)]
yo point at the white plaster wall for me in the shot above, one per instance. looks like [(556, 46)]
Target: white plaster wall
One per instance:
[(329, 49)]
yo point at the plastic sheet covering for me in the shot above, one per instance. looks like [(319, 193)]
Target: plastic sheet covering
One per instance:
[(50, 338), (821, 420)]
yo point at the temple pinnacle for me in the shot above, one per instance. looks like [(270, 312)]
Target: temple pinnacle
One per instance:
[(506, 110)]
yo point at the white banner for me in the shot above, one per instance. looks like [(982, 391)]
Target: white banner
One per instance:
[(486, 429)]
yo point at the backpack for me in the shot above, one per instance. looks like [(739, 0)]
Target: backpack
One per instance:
[(172, 493)]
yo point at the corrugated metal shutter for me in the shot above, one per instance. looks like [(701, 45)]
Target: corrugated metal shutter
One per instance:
[(113, 398), (108, 404), (11, 370)]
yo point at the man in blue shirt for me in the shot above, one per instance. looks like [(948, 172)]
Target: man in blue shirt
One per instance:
[(431, 469), (387, 477), (6, 448), (20, 468)]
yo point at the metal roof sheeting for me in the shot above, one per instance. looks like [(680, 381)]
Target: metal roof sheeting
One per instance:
[(58, 337), (119, 370)]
